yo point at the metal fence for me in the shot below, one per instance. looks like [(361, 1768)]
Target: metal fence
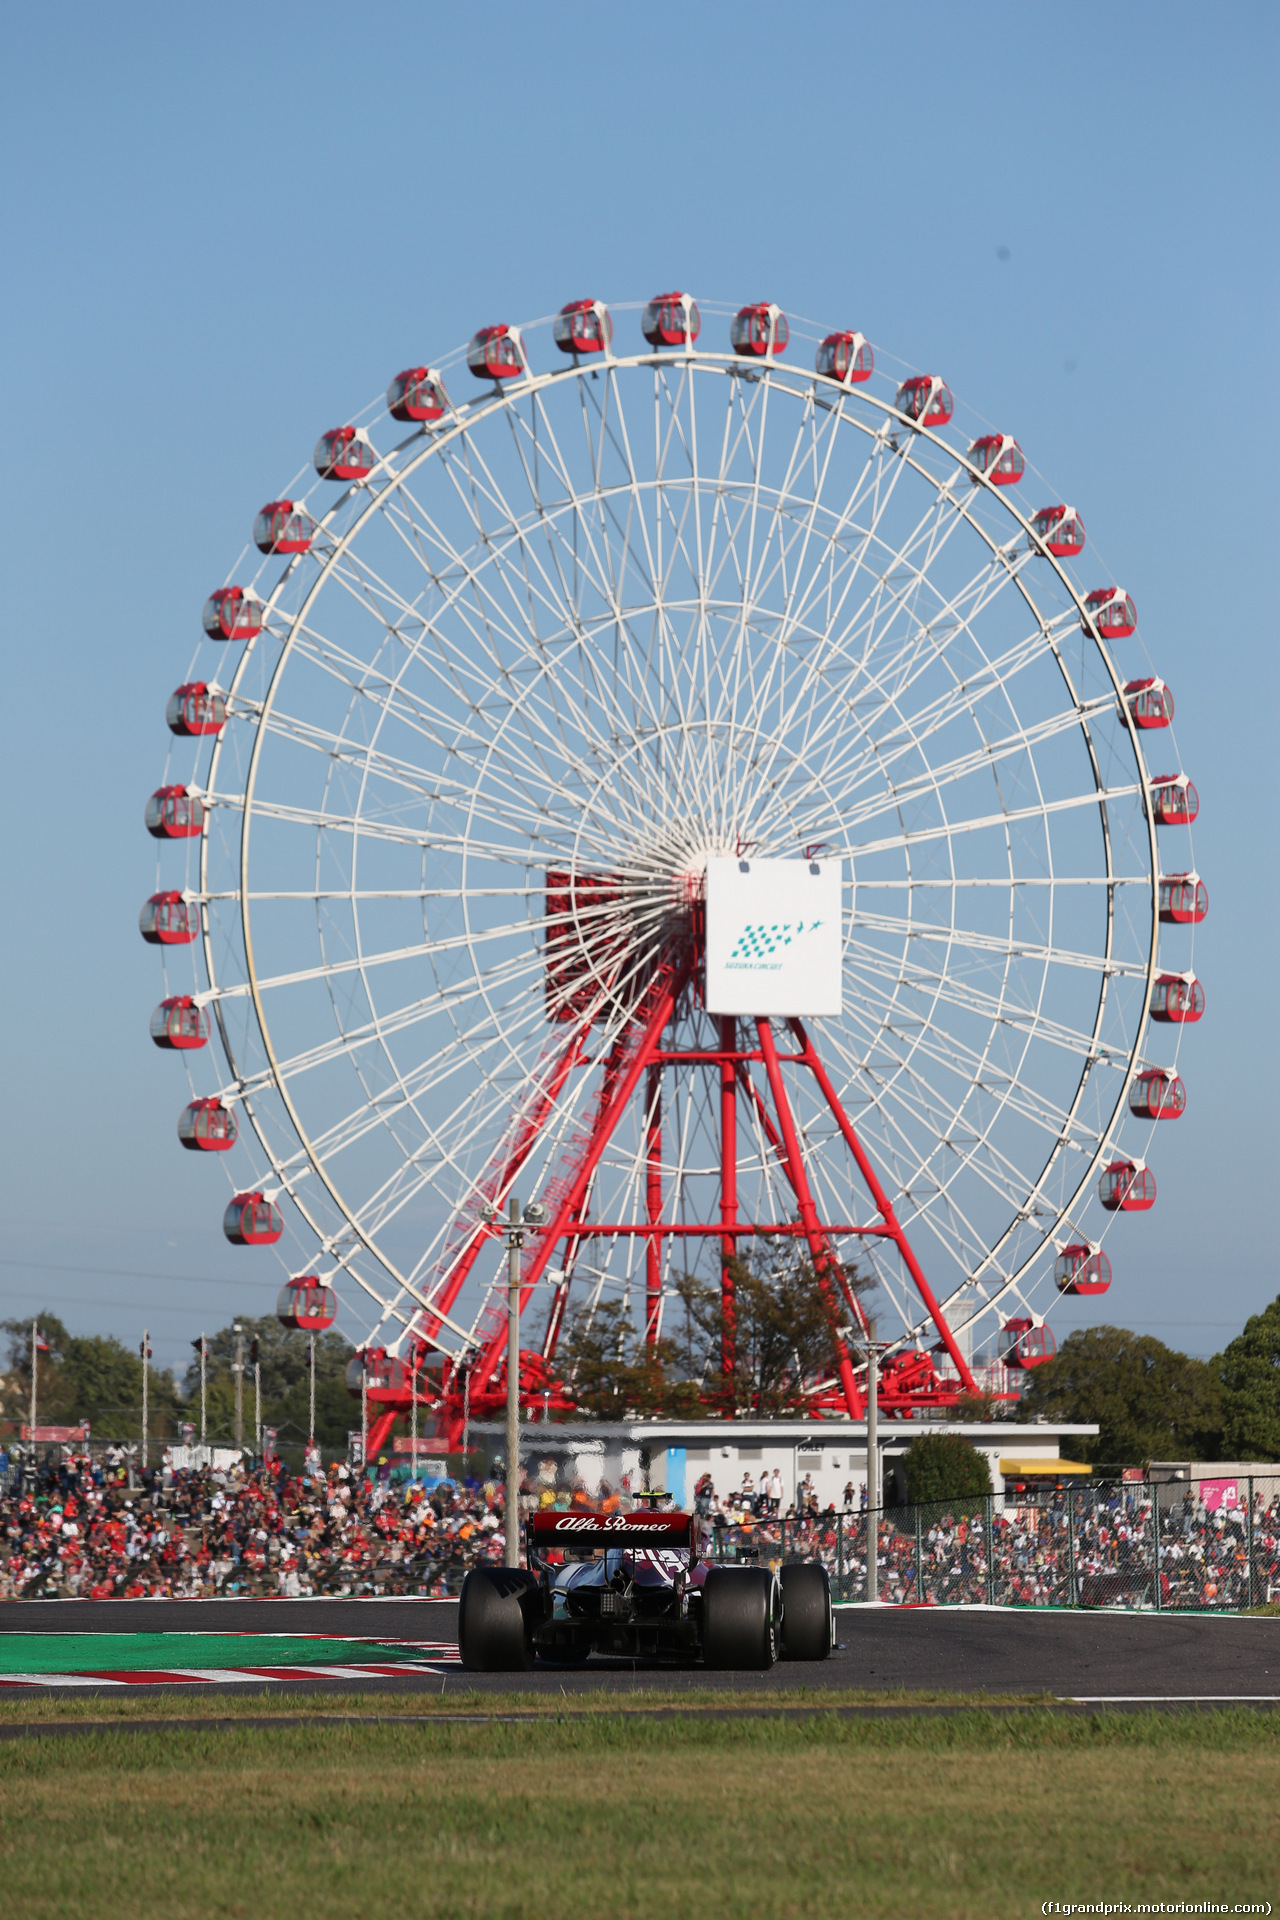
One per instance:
[(1186, 1545)]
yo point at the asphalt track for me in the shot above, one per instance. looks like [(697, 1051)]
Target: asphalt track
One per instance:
[(1118, 1657)]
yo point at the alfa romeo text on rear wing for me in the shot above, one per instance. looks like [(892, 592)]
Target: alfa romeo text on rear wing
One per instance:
[(551, 1529)]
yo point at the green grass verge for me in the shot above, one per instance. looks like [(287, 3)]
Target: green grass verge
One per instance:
[(973, 1815), (253, 1703)]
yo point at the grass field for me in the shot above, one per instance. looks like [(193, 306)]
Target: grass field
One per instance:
[(975, 1815)]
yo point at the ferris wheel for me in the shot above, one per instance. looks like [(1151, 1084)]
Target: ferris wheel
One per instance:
[(504, 676)]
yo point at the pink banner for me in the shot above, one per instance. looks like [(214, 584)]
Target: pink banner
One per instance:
[(1219, 1493)]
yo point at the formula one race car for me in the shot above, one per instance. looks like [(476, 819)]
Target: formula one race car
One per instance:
[(633, 1584)]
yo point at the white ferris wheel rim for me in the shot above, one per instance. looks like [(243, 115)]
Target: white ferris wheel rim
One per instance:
[(406, 1294)]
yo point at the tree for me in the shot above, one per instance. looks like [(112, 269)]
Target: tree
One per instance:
[(55, 1397), (283, 1364), (783, 1338), (1249, 1369), (106, 1383), (783, 1334), (615, 1375), (945, 1467), (1149, 1402), (92, 1377)]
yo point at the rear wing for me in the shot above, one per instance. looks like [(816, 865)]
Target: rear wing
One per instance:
[(552, 1529)]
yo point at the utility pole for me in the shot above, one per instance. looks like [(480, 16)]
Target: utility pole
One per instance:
[(257, 1397), (204, 1396), (873, 1464), (144, 1352), (364, 1413), (466, 1416), (413, 1415), (311, 1421), (35, 1362), (238, 1370), (515, 1242)]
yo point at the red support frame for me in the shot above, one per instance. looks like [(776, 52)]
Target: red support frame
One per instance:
[(728, 1197), (634, 1068), (653, 1206), (881, 1198)]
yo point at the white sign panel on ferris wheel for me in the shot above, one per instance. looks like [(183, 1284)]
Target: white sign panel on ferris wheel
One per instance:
[(773, 936)]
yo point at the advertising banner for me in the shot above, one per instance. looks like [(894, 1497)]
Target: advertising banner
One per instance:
[(773, 936), (1219, 1493)]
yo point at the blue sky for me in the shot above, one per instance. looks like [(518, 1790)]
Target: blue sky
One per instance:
[(224, 228)]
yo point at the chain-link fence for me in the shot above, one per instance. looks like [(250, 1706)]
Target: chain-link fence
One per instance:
[(1190, 1545)]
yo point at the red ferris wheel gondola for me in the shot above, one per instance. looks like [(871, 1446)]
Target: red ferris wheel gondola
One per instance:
[(1184, 899), (1150, 702), (1112, 612), (759, 330), (195, 710), (671, 320), (344, 453), (1157, 1095), (232, 613), (380, 1374), (306, 1305), (583, 326), (282, 527), (175, 813), (497, 353), (1174, 800), (1062, 531), (926, 400), (1127, 1186), (251, 1220), (846, 357), (206, 1126), (417, 394), (1177, 999), (169, 920), (998, 458), (1082, 1269), (1026, 1344), (179, 1024)]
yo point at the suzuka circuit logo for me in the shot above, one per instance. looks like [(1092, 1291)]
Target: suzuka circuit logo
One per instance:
[(761, 945)]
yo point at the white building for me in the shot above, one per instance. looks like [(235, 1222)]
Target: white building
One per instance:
[(675, 1454)]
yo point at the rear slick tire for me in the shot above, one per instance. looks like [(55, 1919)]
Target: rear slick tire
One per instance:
[(806, 1611), (740, 1609), (498, 1609)]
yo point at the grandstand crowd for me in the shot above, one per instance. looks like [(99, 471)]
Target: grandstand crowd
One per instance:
[(95, 1527)]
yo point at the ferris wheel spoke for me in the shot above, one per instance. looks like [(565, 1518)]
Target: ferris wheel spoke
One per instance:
[(528, 577), (908, 1106), (974, 942), (945, 988), (999, 1087), (902, 793), (889, 621), (437, 786), (906, 735), (922, 646), (517, 778), (1006, 818), (816, 441), (785, 540)]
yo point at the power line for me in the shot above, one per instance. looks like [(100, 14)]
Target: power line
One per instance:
[(129, 1273)]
